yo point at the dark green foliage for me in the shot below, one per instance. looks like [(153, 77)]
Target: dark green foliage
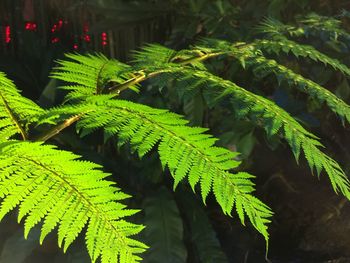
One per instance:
[(309, 25), (164, 230), (284, 45), (206, 243)]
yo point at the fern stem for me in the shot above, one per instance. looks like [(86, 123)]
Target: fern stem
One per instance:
[(135, 80), (58, 128), (142, 75)]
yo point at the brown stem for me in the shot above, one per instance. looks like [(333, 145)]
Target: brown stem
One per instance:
[(142, 75), (58, 128)]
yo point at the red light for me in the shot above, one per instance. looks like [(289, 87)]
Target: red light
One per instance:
[(55, 40), (57, 26), (54, 27), (104, 38), (75, 46), (87, 38), (86, 28), (7, 34), (30, 26)]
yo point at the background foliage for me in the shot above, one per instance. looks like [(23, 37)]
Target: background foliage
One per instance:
[(310, 223)]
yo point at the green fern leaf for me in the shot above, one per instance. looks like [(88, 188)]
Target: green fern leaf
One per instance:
[(189, 152), (262, 67), (291, 47), (309, 25), (275, 28), (90, 74), (317, 25), (262, 64), (16, 112), (153, 55), (186, 151), (51, 186), (275, 120)]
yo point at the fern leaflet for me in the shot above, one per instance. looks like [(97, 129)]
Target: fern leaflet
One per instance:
[(263, 66), (90, 74), (310, 25), (16, 112), (291, 47)]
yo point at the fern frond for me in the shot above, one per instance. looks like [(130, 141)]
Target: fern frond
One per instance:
[(298, 50), (15, 111), (149, 62), (89, 74), (186, 151), (51, 186), (316, 24), (276, 28), (310, 25), (274, 119), (263, 66), (153, 55)]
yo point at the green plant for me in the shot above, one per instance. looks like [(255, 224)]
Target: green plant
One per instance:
[(52, 186)]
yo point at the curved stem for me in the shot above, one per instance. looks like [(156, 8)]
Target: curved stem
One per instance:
[(58, 128), (142, 75)]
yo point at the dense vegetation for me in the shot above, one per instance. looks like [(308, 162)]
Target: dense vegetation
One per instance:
[(258, 86)]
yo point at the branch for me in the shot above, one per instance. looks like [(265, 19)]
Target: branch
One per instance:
[(142, 75), (58, 128)]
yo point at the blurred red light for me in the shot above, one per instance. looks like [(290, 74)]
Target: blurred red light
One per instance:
[(7, 34)]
